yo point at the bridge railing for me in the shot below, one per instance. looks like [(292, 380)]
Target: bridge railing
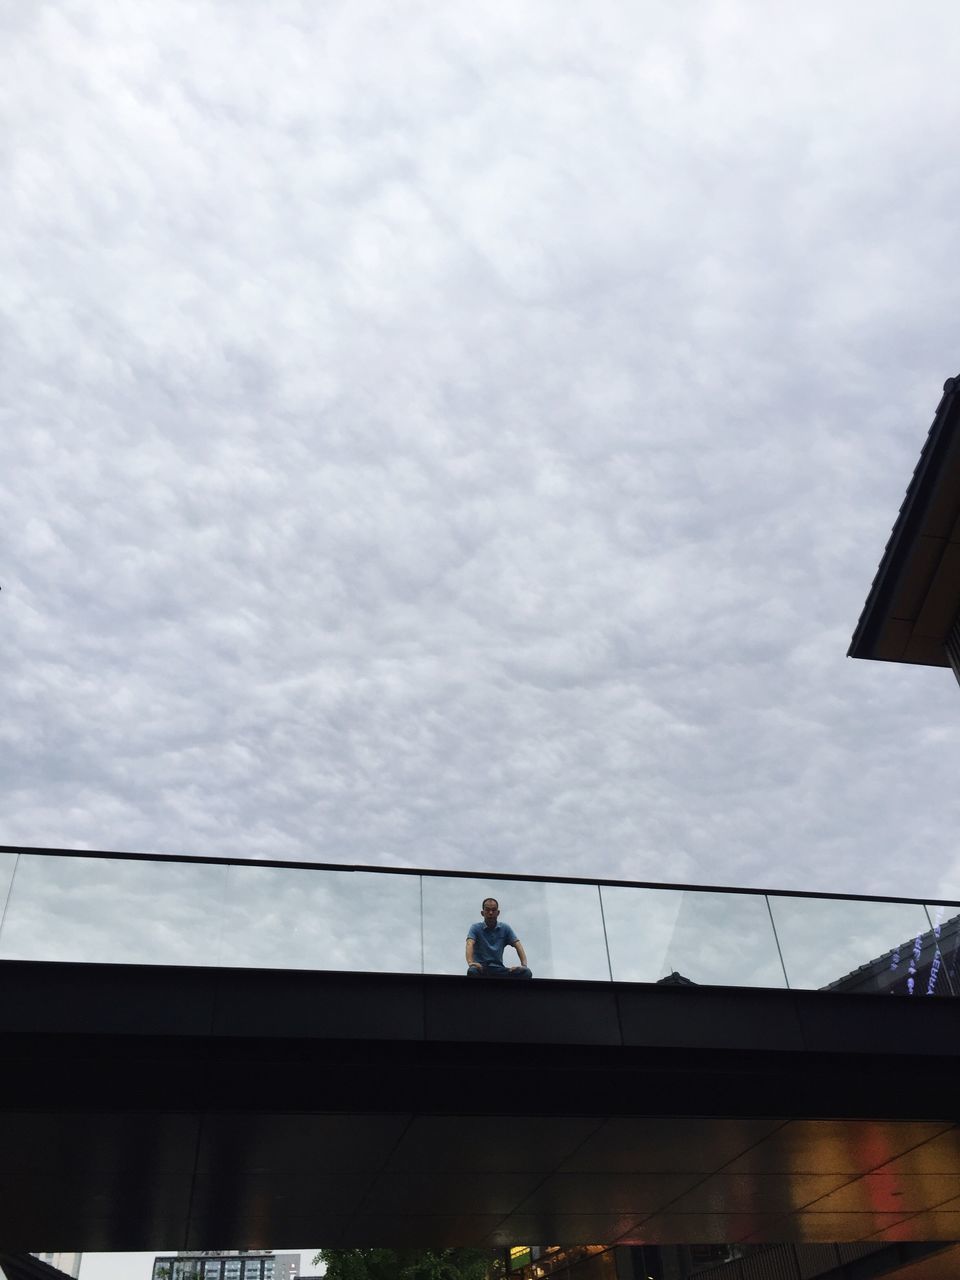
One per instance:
[(142, 909)]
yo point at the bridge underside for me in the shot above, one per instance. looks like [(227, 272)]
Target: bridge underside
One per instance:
[(146, 1107)]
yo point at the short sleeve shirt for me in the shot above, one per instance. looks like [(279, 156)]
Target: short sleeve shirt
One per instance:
[(488, 944)]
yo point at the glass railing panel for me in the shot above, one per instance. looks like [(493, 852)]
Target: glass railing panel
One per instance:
[(7, 863), (289, 918), (112, 910), (559, 925), (851, 945), (941, 976), (690, 935)]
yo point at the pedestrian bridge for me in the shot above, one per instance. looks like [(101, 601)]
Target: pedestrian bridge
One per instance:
[(201, 1052)]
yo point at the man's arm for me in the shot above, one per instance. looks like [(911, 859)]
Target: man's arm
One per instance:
[(470, 959), (518, 947)]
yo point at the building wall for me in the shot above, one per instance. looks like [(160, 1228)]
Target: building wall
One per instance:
[(227, 1265)]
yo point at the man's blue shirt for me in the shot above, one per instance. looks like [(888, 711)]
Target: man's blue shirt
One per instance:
[(488, 944)]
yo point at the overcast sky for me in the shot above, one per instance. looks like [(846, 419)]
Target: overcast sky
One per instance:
[(464, 435)]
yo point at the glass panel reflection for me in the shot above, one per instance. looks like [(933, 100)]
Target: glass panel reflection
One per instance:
[(941, 977), (849, 945), (559, 925), (7, 863), (115, 910), (288, 918), (690, 935), (112, 911)]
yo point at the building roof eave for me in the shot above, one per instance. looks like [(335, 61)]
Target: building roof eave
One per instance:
[(915, 596)]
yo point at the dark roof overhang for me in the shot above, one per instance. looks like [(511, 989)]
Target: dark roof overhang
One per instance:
[(915, 597), (24, 1266)]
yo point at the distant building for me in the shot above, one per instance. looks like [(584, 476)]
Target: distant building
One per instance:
[(227, 1264)]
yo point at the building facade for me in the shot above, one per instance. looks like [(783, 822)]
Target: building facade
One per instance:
[(227, 1264)]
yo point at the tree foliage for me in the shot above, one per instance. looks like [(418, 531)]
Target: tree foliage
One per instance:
[(410, 1264)]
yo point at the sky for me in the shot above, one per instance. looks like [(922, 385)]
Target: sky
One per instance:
[(462, 436)]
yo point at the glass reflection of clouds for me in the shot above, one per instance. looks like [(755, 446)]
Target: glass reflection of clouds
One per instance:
[(714, 938), (826, 939), (112, 911), (287, 918), (7, 863), (559, 925)]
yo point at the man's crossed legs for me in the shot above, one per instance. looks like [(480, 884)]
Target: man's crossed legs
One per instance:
[(493, 970)]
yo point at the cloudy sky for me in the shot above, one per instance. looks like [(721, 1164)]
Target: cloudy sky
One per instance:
[(464, 435)]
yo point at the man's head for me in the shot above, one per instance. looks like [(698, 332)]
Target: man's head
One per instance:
[(490, 909)]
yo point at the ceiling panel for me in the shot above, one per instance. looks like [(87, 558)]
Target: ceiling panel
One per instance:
[(410, 1230), (667, 1144), (618, 1193), (833, 1146), (251, 1191), (701, 1228), (939, 1154), (104, 1234), (559, 1228), (750, 1193), (335, 1143), (444, 1192), (892, 1193), (490, 1143), (826, 1228), (99, 1141), (144, 1205)]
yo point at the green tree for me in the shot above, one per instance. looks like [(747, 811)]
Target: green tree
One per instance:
[(411, 1264)]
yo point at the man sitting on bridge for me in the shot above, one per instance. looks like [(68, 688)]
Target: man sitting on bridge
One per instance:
[(485, 943)]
